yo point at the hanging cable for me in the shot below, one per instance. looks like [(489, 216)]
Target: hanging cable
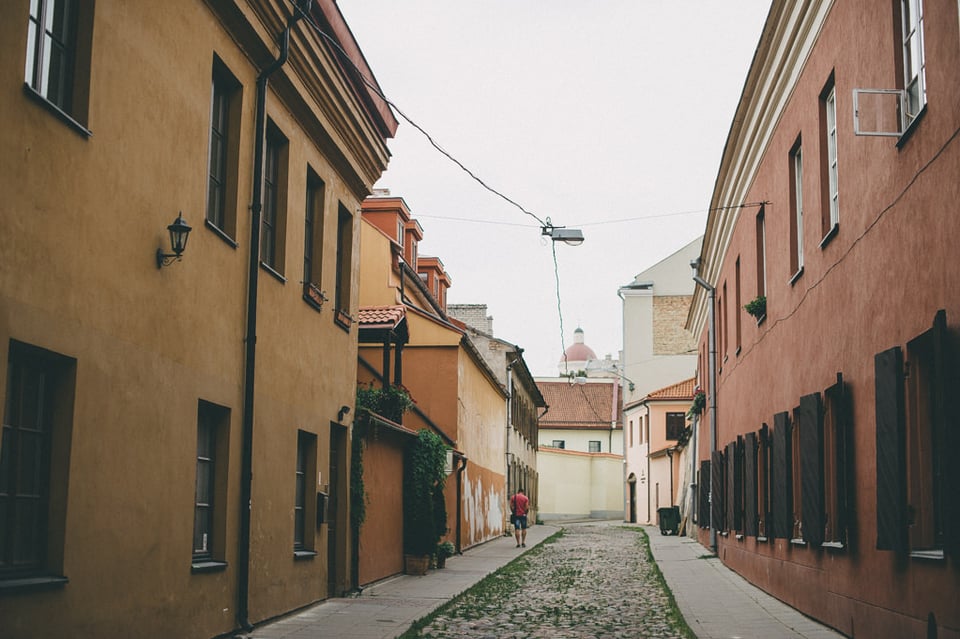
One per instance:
[(373, 87), (556, 276)]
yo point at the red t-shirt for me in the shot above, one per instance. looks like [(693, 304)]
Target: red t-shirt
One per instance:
[(518, 504)]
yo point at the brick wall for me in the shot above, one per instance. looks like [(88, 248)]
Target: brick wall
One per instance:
[(474, 315), (669, 316)]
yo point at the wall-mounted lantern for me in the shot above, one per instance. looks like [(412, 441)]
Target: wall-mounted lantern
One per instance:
[(179, 232)]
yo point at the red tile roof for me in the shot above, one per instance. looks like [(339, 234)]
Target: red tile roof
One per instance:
[(680, 390), (381, 316), (582, 406)]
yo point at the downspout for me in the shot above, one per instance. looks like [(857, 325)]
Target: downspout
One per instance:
[(712, 364), (250, 340)]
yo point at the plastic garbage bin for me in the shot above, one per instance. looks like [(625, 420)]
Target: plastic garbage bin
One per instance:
[(669, 520)]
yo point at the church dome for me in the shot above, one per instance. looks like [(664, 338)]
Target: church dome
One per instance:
[(578, 351)]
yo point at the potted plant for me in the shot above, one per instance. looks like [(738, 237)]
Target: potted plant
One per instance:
[(390, 402), (699, 401), (444, 549), (424, 511), (757, 307)]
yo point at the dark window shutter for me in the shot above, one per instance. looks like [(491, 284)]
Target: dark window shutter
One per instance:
[(811, 470), (750, 485), (716, 490), (891, 442), (730, 517), (782, 495), (764, 510), (944, 412), (738, 484), (703, 512)]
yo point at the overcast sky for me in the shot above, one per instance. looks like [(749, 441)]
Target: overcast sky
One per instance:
[(609, 116)]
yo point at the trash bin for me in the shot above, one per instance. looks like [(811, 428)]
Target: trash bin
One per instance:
[(669, 520)]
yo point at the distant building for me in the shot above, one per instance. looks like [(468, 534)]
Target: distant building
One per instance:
[(658, 352), (581, 449)]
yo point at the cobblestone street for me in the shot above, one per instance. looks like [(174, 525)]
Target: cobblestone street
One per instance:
[(595, 580)]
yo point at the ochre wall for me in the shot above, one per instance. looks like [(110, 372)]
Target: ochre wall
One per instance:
[(82, 220)]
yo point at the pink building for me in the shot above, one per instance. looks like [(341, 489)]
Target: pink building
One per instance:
[(829, 437)]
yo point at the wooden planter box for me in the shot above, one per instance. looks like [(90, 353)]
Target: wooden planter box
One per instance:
[(416, 564)]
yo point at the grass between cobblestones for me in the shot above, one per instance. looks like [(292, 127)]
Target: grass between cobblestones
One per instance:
[(486, 599)]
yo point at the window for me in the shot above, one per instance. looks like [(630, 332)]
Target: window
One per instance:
[(915, 482), (34, 454), (631, 433), (763, 483), (224, 151), (209, 525), (795, 480), (837, 456), (303, 541), (796, 210), (558, 443), (58, 56), (761, 252), (594, 446), (676, 424), (274, 200), (344, 265), (830, 202), (781, 474), (914, 65), (927, 489), (313, 241)]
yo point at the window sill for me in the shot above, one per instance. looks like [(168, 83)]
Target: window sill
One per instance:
[(269, 269), (342, 319), (832, 233), (908, 132), (796, 276), (30, 584), (739, 537), (62, 115), (313, 296), (300, 555), (208, 565), (797, 542), (927, 555), (220, 233), (761, 319), (761, 539), (833, 545)]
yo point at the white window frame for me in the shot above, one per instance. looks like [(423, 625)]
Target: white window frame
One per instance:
[(830, 102), (796, 157), (914, 63)]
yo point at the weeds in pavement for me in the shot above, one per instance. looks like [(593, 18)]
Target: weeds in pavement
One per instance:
[(485, 596), (674, 612)]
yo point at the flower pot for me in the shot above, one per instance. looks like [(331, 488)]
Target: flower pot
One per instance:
[(441, 561), (416, 564)]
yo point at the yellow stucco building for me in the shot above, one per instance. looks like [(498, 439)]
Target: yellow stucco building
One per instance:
[(175, 446)]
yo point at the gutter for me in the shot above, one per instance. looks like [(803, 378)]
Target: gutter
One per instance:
[(250, 340)]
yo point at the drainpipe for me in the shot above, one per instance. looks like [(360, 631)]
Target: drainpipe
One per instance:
[(712, 364), (249, 385)]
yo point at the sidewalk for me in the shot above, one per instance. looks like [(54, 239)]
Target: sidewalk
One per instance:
[(715, 601), (718, 603), (388, 608)]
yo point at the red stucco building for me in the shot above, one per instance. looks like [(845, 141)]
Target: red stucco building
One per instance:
[(832, 448)]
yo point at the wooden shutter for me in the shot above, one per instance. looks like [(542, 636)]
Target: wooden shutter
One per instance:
[(750, 485), (716, 490), (781, 493), (811, 468), (764, 510), (738, 484), (730, 452), (891, 443), (703, 513), (945, 412)]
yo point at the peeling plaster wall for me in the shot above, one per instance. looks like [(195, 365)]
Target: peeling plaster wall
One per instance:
[(483, 505)]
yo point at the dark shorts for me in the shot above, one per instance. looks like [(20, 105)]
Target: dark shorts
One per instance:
[(520, 521)]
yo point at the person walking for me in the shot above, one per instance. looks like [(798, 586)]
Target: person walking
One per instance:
[(518, 506)]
